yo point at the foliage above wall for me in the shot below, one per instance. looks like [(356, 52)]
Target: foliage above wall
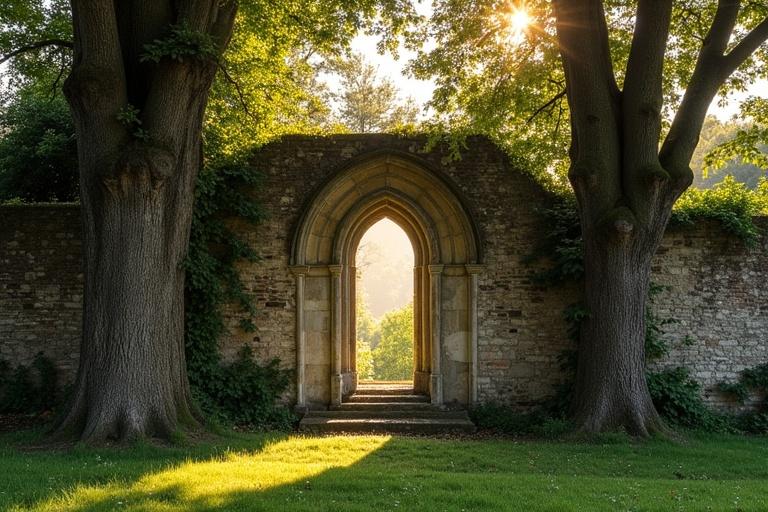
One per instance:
[(730, 203), (38, 153)]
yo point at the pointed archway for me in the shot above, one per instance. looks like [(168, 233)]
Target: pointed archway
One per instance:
[(446, 263)]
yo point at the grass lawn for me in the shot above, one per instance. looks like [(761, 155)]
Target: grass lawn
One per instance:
[(282, 472)]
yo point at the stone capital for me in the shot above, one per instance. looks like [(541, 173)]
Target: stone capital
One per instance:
[(299, 270), (335, 270), (436, 269)]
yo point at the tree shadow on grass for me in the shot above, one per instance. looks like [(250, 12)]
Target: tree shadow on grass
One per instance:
[(32, 474), (234, 480)]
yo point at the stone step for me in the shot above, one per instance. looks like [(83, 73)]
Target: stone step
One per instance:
[(404, 425), (390, 413), (383, 406), (367, 389), (371, 398)]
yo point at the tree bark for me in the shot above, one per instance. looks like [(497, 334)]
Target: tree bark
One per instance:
[(137, 193), (132, 377), (610, 390)]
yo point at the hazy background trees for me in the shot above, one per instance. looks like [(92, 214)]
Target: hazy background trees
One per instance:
[(385, 347), (369, 102)]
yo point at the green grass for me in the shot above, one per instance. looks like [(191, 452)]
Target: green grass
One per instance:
[(275, 473)]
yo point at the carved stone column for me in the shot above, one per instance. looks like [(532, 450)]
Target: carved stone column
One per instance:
[(336, 333), (473, 271), (351, 342), (435, 305), (300, 272)]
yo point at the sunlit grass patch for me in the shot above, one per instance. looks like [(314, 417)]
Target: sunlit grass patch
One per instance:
[(271, 472), (212, 483)]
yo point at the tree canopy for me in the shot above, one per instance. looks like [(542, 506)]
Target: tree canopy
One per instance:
[(508, 81), (267, 83)]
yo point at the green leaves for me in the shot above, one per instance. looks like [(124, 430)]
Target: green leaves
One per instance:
[(38, 152), (243, 392), (129, 116), (561, 245), (385, 350), (246, 393), (25, 22), (510, 90), (29, 389), (750, 143), (180, 44), (730, 203), (393, 356), (677, 397)]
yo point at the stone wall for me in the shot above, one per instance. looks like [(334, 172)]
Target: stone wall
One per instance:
[(520, 327), (717, 289), (41, 285), (719, 298)]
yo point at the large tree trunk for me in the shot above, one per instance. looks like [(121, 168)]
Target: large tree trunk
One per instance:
[(136, 184), (625, 185), (132, 379), (611, 391), (624, 202)]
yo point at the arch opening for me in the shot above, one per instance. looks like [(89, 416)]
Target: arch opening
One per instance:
[(384, 305)]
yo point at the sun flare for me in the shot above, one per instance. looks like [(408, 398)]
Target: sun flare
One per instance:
[(517, 22), (519, 19)]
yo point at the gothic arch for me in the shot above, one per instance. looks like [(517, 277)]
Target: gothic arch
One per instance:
[(446, 259)]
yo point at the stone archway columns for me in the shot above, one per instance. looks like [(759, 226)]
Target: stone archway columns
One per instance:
[(336, 333), (300, 272), (435, 301), (473, 273)]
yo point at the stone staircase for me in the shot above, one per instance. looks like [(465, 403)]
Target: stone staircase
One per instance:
[(390, 408)]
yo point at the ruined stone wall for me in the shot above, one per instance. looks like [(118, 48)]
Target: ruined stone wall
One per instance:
[(520, 327), (717, 285), (41, 285), (718, 297)]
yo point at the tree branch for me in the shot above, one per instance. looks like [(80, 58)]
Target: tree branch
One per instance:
[(593, 98), (746, 47), (59, 76), (61, 43), (238, 89), (641, 106), (642, 96), (546, 105), (709, 74), (720, 31), (97, 38)]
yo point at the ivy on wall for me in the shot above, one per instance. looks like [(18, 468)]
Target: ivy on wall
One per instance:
[(752, 382), (243, 392)]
